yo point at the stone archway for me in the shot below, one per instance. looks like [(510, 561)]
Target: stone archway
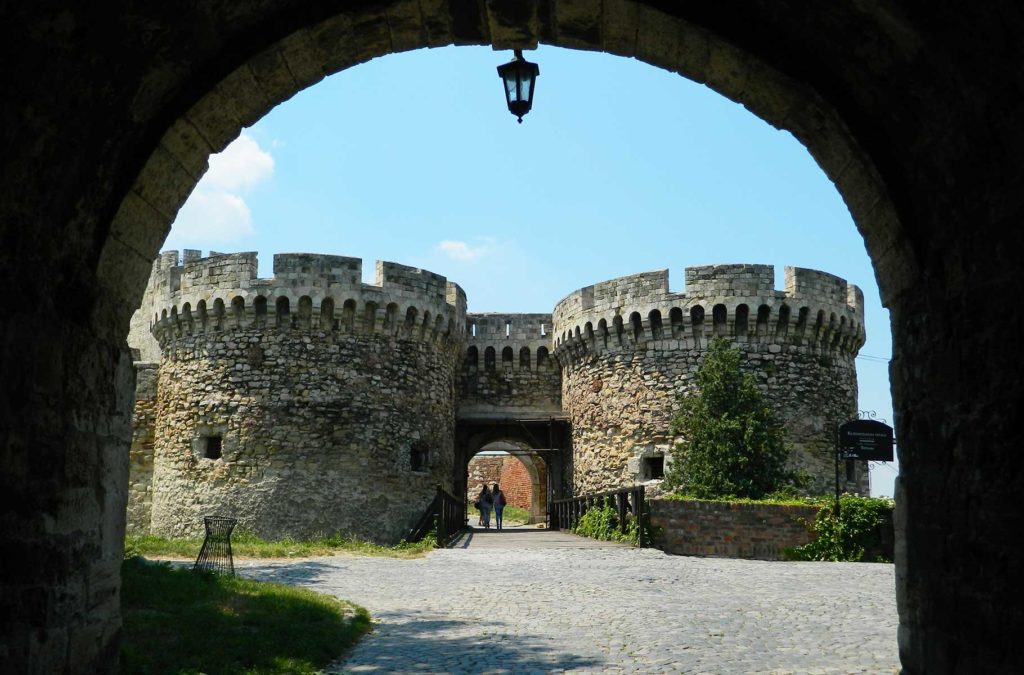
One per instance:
[(543, 446), (109, 124), (522, 473)]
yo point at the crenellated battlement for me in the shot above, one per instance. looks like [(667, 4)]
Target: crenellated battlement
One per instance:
[(516, 341), (222, 292), (815, 310)]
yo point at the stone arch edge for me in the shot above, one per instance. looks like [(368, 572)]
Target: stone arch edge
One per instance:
[(306, 55)]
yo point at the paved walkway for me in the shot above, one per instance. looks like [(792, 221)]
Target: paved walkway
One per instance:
[(527, 537), (611, 609)]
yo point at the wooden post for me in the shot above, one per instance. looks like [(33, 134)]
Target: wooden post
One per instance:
[(837, 471), (641, 523), (439, 514)]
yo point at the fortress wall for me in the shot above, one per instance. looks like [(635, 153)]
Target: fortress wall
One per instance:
[(302, 269), (729, 300), (140, 487), (219, 272), (411, 282), (622, 369), (456, 297), (641, 291), (621, 407), (317, 432), (724, 280), (321, 392), (222, 292), (320, 386), (507, 365), (140, 337), (812, 284)]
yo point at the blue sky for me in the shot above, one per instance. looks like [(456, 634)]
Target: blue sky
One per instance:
[(620, 168)]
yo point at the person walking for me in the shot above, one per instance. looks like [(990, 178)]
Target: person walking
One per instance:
[(499, 504), (486, 501), (478, 505)]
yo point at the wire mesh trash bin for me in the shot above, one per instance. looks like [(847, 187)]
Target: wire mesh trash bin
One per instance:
[(215, 555)]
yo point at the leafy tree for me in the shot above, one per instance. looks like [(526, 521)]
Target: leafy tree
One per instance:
[(731, 444)]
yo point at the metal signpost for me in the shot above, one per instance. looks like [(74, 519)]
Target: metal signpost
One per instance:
[(862, 439)]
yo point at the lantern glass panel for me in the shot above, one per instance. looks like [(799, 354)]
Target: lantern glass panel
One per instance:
[(511, 91), (528, 84)]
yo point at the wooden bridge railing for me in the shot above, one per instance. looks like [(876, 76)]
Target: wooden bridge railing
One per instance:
[(447, 512), (628, 503)]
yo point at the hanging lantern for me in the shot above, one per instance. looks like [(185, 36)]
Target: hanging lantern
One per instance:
[(519, 77)]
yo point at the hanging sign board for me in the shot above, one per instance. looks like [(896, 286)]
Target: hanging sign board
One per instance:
[(867, 440)]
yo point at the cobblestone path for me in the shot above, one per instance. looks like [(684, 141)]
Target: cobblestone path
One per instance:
[(618, 610)]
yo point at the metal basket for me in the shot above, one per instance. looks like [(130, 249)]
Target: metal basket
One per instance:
[(215, 555)]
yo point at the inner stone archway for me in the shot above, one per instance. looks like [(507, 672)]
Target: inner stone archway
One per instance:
[(519, 470), (543, 445), (914, 118)]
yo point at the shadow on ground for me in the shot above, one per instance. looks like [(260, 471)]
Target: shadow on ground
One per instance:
[(291, 572), (418, 642)]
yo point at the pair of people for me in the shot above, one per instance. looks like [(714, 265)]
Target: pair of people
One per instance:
[(490, 499)]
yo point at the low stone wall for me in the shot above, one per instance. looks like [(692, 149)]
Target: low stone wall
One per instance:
[(729, 530)]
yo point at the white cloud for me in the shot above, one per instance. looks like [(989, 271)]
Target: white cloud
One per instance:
[(460, 250), (216, 212), (240, 166), (212, 217)]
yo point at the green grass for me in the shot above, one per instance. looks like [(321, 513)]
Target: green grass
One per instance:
[(512, 515), (177, 621), (245, 545)]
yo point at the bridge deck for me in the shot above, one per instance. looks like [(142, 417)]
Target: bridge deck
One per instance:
[(527, 537)]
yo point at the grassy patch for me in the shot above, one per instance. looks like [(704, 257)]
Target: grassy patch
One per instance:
[(512, 515), (245, 545), (177, 621)]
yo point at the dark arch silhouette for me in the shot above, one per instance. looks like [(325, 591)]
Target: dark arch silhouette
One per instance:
[(912, 114)]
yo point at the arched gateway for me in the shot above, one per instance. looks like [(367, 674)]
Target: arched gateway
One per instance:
[(111, 113)]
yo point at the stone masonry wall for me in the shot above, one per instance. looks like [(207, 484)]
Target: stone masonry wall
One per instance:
[(729, 530), (305, 404), (628, 347), (507, 368), (140, 487), (483, 470), (289, 402)]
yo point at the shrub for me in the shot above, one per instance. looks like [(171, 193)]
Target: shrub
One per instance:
[(855, 536), (602, 523), (731, 444)]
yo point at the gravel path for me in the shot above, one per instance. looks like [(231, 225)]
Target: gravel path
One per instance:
[(621, 610)]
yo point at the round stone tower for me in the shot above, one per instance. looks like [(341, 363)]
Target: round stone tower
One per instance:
[(628, 347), (304, 404)]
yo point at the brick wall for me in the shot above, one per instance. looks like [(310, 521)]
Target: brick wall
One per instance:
[(729, 530), (508, 472), (516, 484)]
